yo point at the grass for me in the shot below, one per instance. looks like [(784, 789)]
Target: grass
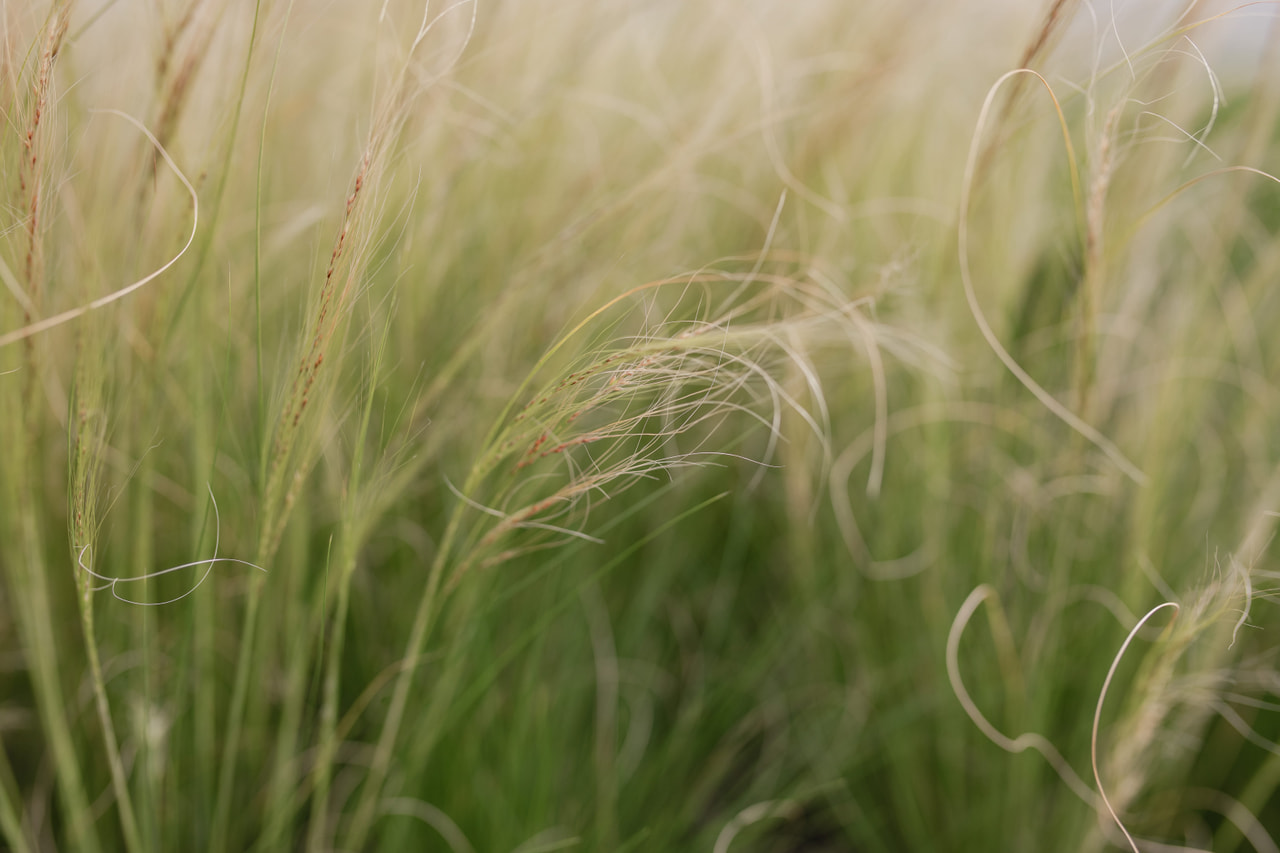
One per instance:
[(670, 426)]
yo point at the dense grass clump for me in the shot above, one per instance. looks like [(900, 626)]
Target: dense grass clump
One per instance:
[(629, 426)]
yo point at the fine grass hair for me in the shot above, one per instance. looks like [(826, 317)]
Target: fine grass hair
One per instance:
[(536, 426)]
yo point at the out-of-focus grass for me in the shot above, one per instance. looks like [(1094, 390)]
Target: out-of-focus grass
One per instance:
[(613, 426)]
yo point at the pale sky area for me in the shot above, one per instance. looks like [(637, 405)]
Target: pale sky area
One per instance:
[(1232, 44)]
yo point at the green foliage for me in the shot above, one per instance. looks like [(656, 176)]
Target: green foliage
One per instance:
[(613, 426)]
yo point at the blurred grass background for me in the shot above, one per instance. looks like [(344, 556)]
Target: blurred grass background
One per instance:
[(638, 426)]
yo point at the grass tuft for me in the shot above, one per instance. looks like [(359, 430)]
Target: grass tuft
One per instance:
[(671, 426)]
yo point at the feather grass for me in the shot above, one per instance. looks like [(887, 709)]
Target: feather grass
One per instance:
[(540, 426)]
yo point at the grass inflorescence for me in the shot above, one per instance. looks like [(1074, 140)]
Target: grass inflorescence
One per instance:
[(609, 426)]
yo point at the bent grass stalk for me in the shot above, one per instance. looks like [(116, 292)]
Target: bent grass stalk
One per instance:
[(1097, 716), (1024, 741), (1090, 433), (79, 311), (548, 426)]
